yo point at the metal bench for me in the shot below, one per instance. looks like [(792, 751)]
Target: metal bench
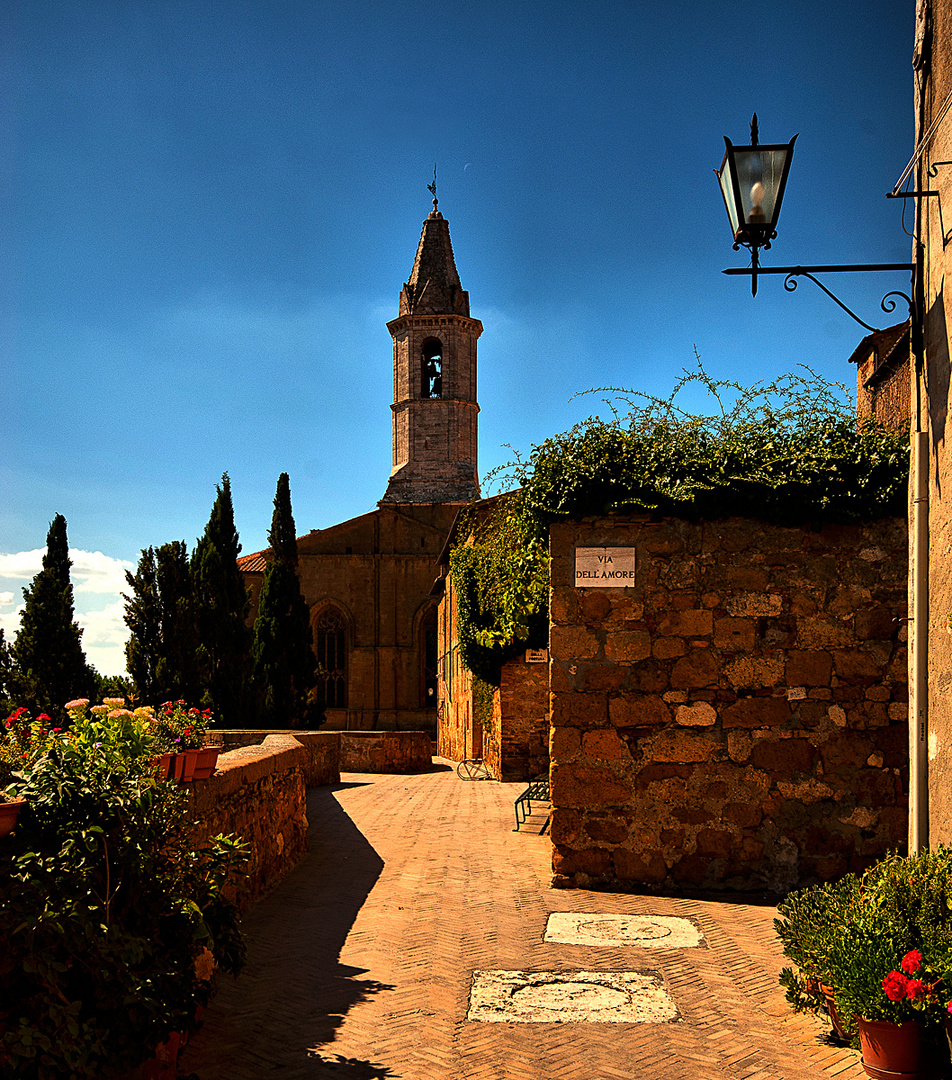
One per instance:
[(537, 790)]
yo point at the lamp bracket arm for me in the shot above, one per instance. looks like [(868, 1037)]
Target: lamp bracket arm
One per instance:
[(790, 284)]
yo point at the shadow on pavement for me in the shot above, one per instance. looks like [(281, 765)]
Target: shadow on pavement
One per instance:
[(294, 993)]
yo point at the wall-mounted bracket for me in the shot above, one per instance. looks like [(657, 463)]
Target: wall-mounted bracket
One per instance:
[(793, 272)]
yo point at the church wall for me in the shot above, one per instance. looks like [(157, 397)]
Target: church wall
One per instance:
[(737, 718), (381, 585)]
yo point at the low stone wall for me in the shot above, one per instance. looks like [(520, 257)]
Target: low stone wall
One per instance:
[(518, 748), (735, 717), (385, 751), (322, 750), (258, 794)]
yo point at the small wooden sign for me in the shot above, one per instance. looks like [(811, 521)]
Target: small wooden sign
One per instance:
[(537, 656), (604, 567)]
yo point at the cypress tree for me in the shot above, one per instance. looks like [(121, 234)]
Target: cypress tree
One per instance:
[(221, 607), (145, 630), (283, 661), (160, 653), (49, 666)]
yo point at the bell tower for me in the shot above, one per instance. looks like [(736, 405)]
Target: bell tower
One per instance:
[(434, 379)]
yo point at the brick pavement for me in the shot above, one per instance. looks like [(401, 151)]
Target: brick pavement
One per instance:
[(360, 963)]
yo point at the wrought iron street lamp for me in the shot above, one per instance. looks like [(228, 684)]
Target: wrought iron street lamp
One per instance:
[(752, 180)]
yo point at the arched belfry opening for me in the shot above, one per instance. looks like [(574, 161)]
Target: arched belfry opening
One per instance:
[(432, 350)]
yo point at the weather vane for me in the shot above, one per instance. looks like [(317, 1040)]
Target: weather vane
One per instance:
[(431, 188)]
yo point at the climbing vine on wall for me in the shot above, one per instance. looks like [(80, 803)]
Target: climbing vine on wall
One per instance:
[(500, 568), (789, 452)]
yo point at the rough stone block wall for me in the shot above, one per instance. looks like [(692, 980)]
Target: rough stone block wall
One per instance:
[(386, 751), (737, 718), (520, 737), (258, 794), (321, 749)]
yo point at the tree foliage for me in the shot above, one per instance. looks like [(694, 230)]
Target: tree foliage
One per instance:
[(47, 663), (160, 614), (221, 607), (283, 661)]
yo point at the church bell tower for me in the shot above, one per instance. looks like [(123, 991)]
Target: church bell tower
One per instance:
[(434, 379)]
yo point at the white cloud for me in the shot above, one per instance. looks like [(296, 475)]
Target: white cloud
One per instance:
[(91, 570), (104, 638), (98, 580)]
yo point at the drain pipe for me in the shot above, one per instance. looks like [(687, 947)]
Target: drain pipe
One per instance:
[(919, 711)]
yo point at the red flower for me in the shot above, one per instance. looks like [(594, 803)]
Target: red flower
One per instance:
[(895, 986), (916, 989), (911, 962)]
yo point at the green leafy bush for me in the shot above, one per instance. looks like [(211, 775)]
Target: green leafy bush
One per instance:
[(106, 905), (788, 452), (882, 942)]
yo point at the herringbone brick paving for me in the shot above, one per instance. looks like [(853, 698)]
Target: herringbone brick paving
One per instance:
[(361, 961)]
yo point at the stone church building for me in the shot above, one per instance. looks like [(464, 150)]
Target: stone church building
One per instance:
[(368, 581)]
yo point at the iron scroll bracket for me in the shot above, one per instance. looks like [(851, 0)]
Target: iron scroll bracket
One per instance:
[(791, 273)]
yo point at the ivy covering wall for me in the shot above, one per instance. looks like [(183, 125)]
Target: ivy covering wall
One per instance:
[(787, 452)]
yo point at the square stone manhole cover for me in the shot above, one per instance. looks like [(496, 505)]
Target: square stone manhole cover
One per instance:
[(646, 931), (558, 997)]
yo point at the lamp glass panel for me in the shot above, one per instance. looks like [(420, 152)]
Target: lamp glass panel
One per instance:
[(727, 190), (756, 165)]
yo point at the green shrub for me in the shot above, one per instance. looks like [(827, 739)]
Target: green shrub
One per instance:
[(891, 926), (106, 904), (789, 452)]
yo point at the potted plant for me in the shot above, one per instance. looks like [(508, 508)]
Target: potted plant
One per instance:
[(883, 943), (22, 740), (806, 928), (183, 727)]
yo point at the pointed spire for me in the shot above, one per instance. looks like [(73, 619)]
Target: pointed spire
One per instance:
[(434, 287)]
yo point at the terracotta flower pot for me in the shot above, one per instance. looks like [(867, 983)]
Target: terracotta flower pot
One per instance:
[(207, 759), (189, 760), (176, 765), (163, 765), (838, 1028), (894, 1051), (9, 811)]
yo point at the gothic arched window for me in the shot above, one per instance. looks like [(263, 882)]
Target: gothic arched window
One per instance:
[(330, 644), (432, 368)]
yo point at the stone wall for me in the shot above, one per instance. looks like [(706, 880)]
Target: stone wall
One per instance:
[(386, 751), (518, 748), (258, 794), (321, 750), (459, 734), (737, 717)]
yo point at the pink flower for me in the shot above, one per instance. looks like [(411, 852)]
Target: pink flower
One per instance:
[(911, 962), (79, 703), (895, 986)]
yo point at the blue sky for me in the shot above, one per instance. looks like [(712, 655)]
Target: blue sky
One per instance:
[(208, 208)]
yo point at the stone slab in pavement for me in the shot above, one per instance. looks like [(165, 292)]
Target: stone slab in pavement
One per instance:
[(361, 962)]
